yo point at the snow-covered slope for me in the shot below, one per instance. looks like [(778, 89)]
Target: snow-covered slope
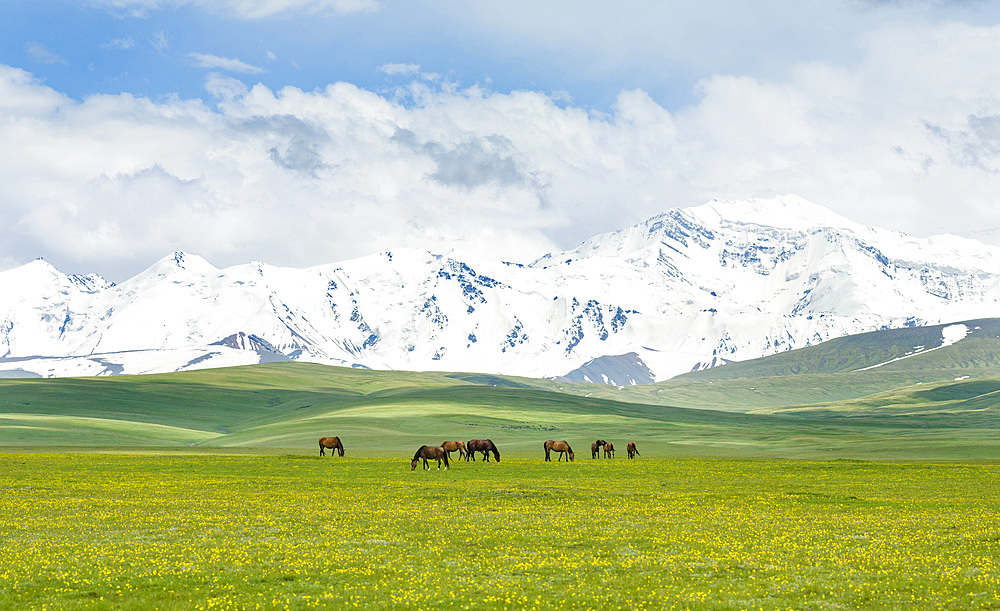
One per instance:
[(688, 289)]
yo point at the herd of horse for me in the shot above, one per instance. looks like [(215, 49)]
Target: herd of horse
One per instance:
[(595, 449), (467, 450)]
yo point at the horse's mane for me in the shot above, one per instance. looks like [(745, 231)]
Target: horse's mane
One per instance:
[(419, 450)]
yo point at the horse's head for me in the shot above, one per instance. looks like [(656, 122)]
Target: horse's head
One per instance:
[(413, 464), (572, 456)]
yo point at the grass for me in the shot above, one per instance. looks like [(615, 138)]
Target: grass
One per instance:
[(291, 405), (979, 350), (108, 531)]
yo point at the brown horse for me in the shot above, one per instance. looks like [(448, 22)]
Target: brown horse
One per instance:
[(333, 443), (481, 445), (432, 453), (595, 448), (559, 446), (632, 451), (609, 450), (451, 446)]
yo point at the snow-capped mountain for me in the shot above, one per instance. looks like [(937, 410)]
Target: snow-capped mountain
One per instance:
[(688, 289)]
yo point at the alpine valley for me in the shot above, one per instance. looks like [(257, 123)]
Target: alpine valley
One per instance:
[(686, 290)]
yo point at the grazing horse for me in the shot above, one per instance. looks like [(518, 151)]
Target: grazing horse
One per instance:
[(595, 448), (609, 450), (481, 445), (451, 446), (330, 442), (632, 451), (430, 452), (559, 446)]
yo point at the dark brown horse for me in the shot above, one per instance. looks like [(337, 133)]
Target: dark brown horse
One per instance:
[(630, 448), (609, 450), (481, 445), (596, 447), (426, 453), (451, 446), (333, 443), (558, 446)]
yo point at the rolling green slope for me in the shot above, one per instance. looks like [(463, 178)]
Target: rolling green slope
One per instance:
[(290, 405), (850, 397), (839, 370), (912, 346)]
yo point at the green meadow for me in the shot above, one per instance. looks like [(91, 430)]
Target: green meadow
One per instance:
[(838, 476), (127, 530)]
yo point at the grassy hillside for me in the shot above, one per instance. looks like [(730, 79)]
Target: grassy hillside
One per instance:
[(979, 350), (290, 405), (839, 370)]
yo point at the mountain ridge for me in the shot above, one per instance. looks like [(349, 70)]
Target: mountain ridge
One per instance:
[(685, 290)]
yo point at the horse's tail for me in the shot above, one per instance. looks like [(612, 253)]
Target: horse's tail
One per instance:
[(446, 453)]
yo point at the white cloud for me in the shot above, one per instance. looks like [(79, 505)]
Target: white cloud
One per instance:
[(399, 69), (257, 9), (244, 9), (907, 137), (159, 41), (41, 54), (204, 60), (119, 43)]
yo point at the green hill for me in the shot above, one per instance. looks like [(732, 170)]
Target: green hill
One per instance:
[(835, 371), (907, 349), (892, 393), (287, 406)]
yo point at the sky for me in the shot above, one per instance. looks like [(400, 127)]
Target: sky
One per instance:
[(305, 132)]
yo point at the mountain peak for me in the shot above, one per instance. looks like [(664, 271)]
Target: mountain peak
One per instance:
[(182, 260), (35, 268), (784, 211)]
